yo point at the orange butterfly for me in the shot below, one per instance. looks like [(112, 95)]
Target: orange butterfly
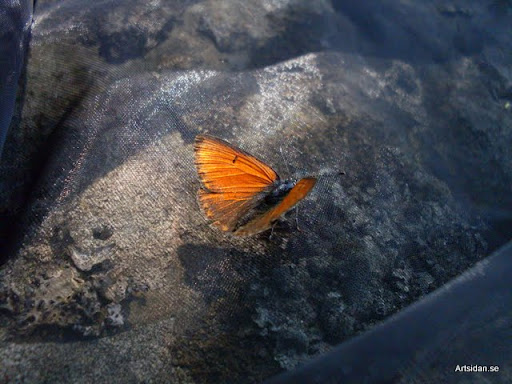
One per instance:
[(240, 193)]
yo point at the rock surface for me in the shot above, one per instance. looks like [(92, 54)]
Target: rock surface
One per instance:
[(115, 275)]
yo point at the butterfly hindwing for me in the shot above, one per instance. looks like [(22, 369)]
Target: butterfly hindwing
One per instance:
[(226, 209)]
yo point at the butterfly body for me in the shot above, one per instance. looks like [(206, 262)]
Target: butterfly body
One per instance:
[(240, 193), (268, 199)]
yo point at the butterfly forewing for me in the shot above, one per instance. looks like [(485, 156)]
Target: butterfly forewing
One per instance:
[(224, 168)]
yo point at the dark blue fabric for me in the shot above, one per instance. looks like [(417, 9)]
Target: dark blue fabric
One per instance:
[(15, 21)]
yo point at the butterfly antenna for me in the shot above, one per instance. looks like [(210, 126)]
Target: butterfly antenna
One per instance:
[(284, 160), (332, 174), (289, 174)]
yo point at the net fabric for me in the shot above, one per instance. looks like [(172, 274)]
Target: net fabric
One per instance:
[(110, 244)]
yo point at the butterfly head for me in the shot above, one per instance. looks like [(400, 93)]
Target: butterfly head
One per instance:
[(279, 190)]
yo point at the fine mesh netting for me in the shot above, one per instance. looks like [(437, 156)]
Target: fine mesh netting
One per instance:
[(112, 273)]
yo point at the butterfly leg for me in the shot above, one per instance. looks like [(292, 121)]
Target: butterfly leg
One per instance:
[(272, 229), (297, 219)]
